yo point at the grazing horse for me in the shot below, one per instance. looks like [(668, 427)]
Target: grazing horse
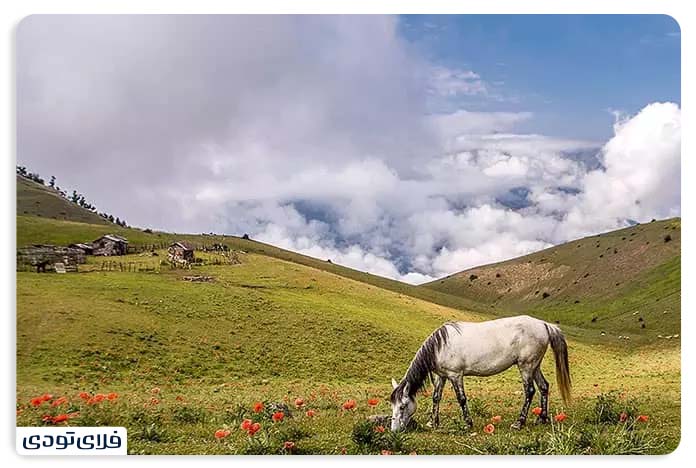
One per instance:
[(457, 349)]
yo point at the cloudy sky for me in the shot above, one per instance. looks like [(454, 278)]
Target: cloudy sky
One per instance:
[(411, 147)]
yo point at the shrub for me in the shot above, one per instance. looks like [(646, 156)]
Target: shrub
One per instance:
[(369, 440), (608, 408)]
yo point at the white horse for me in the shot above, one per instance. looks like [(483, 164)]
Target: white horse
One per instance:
[(457, 349)]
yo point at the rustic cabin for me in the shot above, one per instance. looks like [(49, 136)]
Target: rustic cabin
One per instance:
[(110, 244), (181, 252), (88, 249), (44, 258)]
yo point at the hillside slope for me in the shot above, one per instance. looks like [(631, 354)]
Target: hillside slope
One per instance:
[(34, 199), (627, 280)]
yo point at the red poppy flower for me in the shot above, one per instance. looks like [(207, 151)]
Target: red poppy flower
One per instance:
[(113, 396), (47, 397), (253, 429), (373, 401), (59, 401), (47, 418), (387, 452), (560, 417), (343, 451), (76, 414), (489, 428), (536, 411), (85, 395), (379, 429), (246, 424), (60, 418), (310, 413), (289, 445), (36, 401), (258, 407), (278, 416), (642, 418), (496, 419), (349, 405), (623, 417), (221, 433), (99, 397), (155, 390), (154, 401), (179, 398), (299, 402)]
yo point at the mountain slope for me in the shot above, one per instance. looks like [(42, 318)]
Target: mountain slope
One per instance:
[(34, 199), (627, 280)]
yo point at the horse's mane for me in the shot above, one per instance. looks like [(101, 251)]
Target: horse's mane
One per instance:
[(423, 363)]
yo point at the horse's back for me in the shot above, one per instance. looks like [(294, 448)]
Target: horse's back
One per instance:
[(486, 348)]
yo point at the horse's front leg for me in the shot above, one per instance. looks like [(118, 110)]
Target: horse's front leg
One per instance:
[(439, 385), (458, 385), (529, 391)]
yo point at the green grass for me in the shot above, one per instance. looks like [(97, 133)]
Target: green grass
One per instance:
[(270, 330)]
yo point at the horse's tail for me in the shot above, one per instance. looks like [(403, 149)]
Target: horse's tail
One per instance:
[(560, 353)]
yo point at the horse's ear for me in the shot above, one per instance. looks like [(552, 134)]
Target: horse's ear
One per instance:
[(394, 384)]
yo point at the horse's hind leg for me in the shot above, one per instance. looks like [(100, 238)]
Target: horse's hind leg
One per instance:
[(438, 384), (543, 385), (458, 385), (528, 386)]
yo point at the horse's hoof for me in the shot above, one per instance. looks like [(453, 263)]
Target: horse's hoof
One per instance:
[(517, 425), (469, 423)]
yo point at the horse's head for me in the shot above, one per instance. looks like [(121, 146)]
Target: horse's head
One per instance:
[(403, 406)]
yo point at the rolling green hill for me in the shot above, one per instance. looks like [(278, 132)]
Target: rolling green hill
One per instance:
[(34, 199), (626, 282)]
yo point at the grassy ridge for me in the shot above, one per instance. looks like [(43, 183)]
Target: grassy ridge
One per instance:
[(625, 282), (34, 199)]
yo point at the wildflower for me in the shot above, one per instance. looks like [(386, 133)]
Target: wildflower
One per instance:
[(60, 418), (99, 397), (36, 401), (278, 416), (536, 411), (113, 396), (253, 429), (155, 390), (221, 433), (179, 398), (85, 395), (349, 405), (46, 397), (258, 407), (246, 424), (76, 414), (489, 429), (343, 451), (47, 418), (154, 401), (373, 401), (496, 419), (289, 445), (379, 429), (59, 401), (642, 418), (387, 452), (310, 413), (299, 402), (623, 417), (560, 417)]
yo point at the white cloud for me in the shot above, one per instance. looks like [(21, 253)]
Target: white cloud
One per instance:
[(315, 134)]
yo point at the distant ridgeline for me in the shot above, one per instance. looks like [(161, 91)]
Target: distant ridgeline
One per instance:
[(76, 197)]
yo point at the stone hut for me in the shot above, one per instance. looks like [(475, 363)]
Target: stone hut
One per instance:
[(181, 252), (45, 257), (110, 244)]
